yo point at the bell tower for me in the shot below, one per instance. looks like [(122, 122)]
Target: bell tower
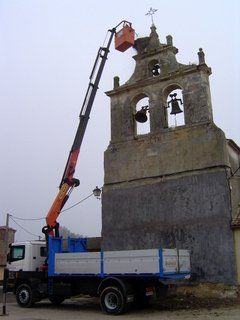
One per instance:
[(168, 187), (157, 73)]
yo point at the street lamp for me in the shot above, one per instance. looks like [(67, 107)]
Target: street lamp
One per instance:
[(97, 192)]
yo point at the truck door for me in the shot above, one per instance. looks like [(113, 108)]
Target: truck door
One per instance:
[(17, 258), (39, 254)]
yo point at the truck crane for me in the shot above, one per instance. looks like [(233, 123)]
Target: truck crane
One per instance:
[(124, 39), (118, 278)]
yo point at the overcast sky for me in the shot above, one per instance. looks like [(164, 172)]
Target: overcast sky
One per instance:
[(47, 52)]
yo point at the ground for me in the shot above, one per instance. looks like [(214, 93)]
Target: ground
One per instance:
[(88, 308)]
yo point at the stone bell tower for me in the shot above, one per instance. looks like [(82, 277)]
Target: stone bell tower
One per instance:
[(168, 187)]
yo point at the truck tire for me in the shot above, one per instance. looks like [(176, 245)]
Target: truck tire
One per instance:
[(112, 301), (56, 300), (25, 296)]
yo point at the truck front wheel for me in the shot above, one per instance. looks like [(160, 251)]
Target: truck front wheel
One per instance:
[(113, 301), (25, 296)]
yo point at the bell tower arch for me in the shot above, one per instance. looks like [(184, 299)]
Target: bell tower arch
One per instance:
[(167, 187)]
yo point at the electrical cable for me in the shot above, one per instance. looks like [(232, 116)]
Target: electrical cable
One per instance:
[(74, 205), (33, 234), (36, 219), (27, 219)]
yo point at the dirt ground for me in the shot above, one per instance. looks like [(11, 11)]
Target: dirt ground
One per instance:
[(88, 308)]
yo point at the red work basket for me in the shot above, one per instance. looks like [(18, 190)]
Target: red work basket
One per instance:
[(124, 38)]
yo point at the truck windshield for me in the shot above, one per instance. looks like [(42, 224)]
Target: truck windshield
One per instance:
[(17, 253)]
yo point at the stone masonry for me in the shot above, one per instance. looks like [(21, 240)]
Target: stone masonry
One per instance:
[(172, 187)]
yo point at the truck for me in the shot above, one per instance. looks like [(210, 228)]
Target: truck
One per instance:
[(119, 278), (59, 268)]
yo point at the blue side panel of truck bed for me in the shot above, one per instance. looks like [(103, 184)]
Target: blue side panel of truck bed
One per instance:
[(101, 266), (55, 245)]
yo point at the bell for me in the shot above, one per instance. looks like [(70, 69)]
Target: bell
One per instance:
[(175, 107), (174, 103), (141, 116)]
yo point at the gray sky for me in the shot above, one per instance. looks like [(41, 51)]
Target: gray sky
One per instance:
[(47, 52)]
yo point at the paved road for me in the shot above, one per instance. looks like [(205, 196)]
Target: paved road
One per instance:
[(88, 308)]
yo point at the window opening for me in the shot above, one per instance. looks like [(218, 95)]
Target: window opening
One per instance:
[(175, 111), (17, 253), (154, 68), (43, 251), (142, 116)]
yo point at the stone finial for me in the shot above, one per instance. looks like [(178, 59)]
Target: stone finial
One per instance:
[(116, 81), (201, 56), (169, 40), (154, 42)]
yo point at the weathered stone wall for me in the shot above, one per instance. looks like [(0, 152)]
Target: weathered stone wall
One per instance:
[(3, 245), (196, 98), (190, 212), (171, 187), (172, 151)]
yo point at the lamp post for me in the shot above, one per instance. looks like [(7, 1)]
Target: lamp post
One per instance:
[(6, 234)]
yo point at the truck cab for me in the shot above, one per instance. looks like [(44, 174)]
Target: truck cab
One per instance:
[(26, 256)]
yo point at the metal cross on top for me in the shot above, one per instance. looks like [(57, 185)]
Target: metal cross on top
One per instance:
[(151, 13)]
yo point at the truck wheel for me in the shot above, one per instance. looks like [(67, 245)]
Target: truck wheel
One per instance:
[(25, 296), (113, 301), (56, 300)]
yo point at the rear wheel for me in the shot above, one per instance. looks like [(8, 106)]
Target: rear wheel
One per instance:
[(113, 301), (25, 296)]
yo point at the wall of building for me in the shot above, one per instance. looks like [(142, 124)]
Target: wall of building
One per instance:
[(171, 151), (237, 251), (171, 187), (3, 246), (11, 233), (188, 211)]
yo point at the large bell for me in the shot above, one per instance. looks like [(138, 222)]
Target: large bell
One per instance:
[(175, 107), (141, 115), (174, 103)]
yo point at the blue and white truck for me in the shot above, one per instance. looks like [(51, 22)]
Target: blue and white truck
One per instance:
[(118, 278)]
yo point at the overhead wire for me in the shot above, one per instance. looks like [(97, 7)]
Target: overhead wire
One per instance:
[(33, 234), (28, 219), (74, 205), (42, 218)]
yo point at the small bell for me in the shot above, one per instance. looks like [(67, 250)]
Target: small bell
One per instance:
[(156, 70), (141, 115), (175, 105)]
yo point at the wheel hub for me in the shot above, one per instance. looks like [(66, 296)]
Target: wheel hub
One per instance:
[(111, 301), (24, 296)]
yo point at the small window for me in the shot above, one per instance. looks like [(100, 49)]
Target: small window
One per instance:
[(17, 253), (43, 251), (142, 109), (154, 68)]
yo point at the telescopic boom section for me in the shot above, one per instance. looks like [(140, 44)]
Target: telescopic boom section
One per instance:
[(68, 181)]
